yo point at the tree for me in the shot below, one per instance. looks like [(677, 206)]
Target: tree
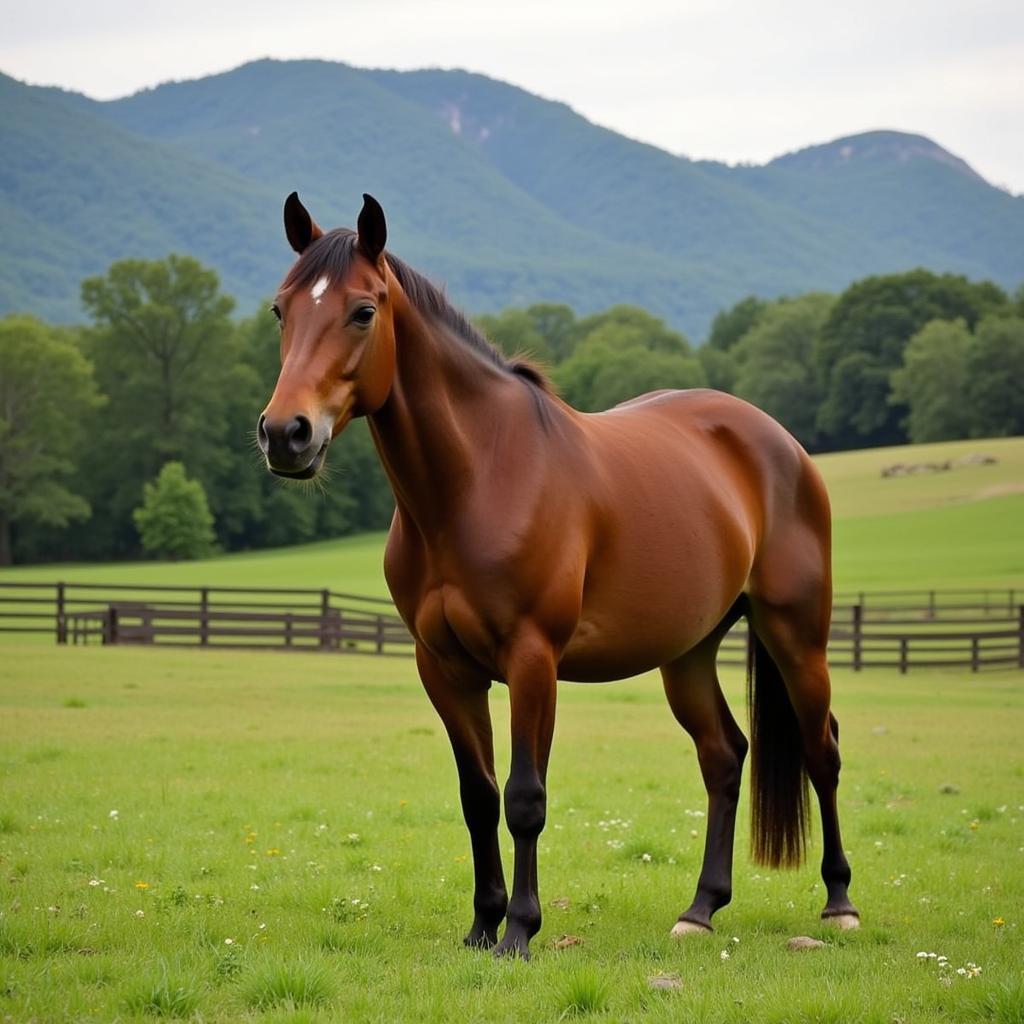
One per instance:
[(629, 325), (720, 368), (46, 389), (932, 380), (513, 331), (622, 353), (170, 360), (862, 341), (994, 390), (174, 520), (776, 362), (544, 331), (555, 323), (731, 324)]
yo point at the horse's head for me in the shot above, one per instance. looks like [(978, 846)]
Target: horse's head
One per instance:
[(337, 338)]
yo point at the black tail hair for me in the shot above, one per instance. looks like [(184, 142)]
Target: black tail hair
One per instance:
[(779, 817)]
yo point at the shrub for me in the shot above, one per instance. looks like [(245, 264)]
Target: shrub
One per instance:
[(174, 520)]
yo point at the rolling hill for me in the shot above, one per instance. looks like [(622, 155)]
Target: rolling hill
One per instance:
[(507, 197)]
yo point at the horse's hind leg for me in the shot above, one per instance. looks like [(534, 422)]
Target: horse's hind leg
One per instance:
[(795, 634), (694, 694)]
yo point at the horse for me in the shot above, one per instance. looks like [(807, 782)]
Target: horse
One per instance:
[(533, 543)]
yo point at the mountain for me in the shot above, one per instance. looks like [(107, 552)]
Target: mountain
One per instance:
[(506, 197)]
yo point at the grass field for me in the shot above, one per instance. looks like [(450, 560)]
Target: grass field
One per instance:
[(277, 838), (220, 836)]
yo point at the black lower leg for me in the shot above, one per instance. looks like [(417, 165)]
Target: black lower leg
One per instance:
[(525, 810), (835, 869), (481, 809), (722, 770)]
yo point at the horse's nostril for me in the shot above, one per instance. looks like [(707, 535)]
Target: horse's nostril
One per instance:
[(261, 433), (299, 433)]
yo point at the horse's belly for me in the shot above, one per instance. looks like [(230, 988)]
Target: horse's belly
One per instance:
[(658, 589), (622, 645)]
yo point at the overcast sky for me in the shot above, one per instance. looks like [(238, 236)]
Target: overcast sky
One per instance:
[(734, 80)]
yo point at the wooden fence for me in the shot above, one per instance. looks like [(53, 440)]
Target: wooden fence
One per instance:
[(972, 629), (255, 617)]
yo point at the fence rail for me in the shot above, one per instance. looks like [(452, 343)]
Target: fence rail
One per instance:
[(258, 617), (973, 629)]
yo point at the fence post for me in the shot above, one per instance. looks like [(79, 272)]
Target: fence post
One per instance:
[(61, 623), (974, 654), (325, 612), (110, 626), (287, 629), (204, 616), (904, 645), (1020, 636), (858, 619), (380, 634)]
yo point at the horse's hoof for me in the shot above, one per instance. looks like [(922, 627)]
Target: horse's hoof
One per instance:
[(690, 928), (845, 922)]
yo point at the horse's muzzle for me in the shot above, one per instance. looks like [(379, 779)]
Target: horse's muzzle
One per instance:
[(293, 448)]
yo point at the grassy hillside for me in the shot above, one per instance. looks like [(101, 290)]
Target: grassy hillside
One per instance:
[(77, 193), (507, 197), (960, 528)]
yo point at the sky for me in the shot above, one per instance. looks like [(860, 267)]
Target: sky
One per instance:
[(732, 80)]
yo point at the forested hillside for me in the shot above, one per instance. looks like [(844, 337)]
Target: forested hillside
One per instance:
[(508, 198)]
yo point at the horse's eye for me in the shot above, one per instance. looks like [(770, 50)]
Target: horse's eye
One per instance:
[(276, 310), (363, 315)]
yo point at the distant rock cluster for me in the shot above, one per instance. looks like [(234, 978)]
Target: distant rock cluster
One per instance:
[(914, 468)]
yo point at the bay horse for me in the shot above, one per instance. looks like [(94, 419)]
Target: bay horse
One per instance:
[(532, 543)]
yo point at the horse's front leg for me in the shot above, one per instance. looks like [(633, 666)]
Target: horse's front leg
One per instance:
[(461, 701), (530, 670)]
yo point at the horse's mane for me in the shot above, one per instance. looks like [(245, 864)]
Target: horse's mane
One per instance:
[(331, 256)]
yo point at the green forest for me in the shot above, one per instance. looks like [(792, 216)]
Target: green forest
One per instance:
[(134, 434)]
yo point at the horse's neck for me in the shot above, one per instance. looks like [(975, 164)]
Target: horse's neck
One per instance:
[(436, 431)]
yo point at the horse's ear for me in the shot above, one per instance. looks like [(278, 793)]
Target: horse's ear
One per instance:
[(300, 228), (373, 229)]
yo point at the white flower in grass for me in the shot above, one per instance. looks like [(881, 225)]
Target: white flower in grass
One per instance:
[(724, 955), (140, 913), (113, 814)]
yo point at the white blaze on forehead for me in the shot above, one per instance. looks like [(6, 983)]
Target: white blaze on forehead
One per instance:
[(319, 288)]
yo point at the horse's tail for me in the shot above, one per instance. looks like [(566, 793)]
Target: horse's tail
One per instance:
[(778, 803)]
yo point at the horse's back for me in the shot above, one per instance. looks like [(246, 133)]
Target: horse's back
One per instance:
[(696, 489)]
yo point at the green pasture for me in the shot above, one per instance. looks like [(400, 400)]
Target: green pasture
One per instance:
[(259, 837), (963, 527)]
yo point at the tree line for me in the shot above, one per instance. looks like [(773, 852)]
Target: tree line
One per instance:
[(136, 433)]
